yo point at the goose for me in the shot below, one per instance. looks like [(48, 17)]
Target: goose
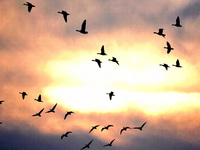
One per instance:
[(38, 114), (106, 127), (177, 64), (23, 94), (114, 60), (140, 128), (39, 98), (165, 65), (83, 28), (68, 113), (111, 94), (109, 144), (98, 62), (29, 6), (160, 32), (87, 145), (102, 51), (65, 14), (169, 48), (94, 127), (178, 24), (124, 129), (52, 109), (65, 135)]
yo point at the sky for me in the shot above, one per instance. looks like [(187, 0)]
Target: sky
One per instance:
[(42, 54)]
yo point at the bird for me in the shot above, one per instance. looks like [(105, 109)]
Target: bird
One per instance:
[(87, 145), (177, 64), (23, 94), (178, 24), (39, 98), (2, 101), (52, 109), (68, 113), (94, 127), (38, 114), (165, 65), (65, 14), (111, 94), (124, 129), (98, 62), (1, 122), (140, 128), (114, 60), (29, 6), (106, 127), (83, 27), (169, 48), (102, 51), (66, 134), (160, 32), (109, 144)]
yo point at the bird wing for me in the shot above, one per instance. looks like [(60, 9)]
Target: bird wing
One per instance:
[(178, 20), (66, 115), (112, 142), (177, 63), (29, 8), (83, 27), (84, 147), (91, 129), (122, 130), (110, 96), (168, 45), (160, 31), (62, 136), (90, 142), (23, 95), (102, 129), (102, 49), (68, 132), (109, 126), (143, 124), (99, 64), (136, 127), (41, 111), (39, 98), (65, 17), (54, 107), (168, 50)]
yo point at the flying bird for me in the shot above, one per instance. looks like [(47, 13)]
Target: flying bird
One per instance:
[(52, 109), (102, 51), (140, 128), (65, 135), (165, 65), (2, 101), (1, 122), (106, 127), (178, 23), (65, 14), (169, 48), (111, 94), (177, 64), (94, 127), (68, 113), (160, 32), (98, 62), (39, 98), (23, 94), (83, 28), (29, 6), (114, 60), (87, 145), (124, 129), (38, 114), (109, 144)]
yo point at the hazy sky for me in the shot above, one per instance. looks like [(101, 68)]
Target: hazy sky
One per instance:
[(41, 54)]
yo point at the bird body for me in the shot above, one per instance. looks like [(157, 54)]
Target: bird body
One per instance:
[(38, 114), (94, 127), (39, 98), (83, 28), (140, 128), (65, 135), (98, 62), (169, 48), (68, 113), (52, 109), (178, 23), (114, 60), (102, 51), (165, 65), (160, 32), (124, 129), (30, 6), (111, 94), (109, 144), (23, 94), (87, 145), (65, 14), (177, 64), (106, 127)]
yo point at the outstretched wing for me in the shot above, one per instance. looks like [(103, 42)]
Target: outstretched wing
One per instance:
[(160, 31), (83, 27), (102, 49), (143, 124), (178, 20), (177, 63), (54, 106), (168, 45), (41, 111), (112, 142)]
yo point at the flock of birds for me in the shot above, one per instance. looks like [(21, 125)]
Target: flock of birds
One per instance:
[(111, 94)]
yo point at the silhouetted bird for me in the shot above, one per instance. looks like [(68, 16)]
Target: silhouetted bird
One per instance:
[(102, 51), (165, 65), (38, 114), (98, 62), (140, 128), (177, 64), (124, 129), (39, 98), (87, 145), (29, 6), (109, 144), (94, 127), (2, 102), (106, 127), (52, 109), (23, 94), (68, 113), (114, 60), (83, 27), (169, 48), (178, 24), (65, 14), (111, 94), (1, 122), (65, 135), (160, 32)]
